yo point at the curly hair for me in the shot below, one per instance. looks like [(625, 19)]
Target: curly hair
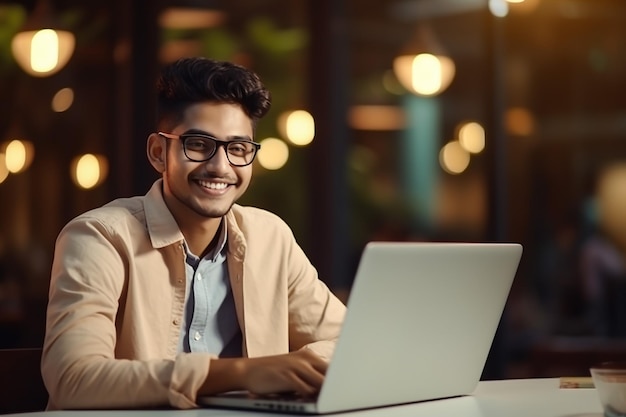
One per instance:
[(193, 80)]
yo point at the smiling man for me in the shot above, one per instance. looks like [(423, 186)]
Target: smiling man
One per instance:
[(157, 299)]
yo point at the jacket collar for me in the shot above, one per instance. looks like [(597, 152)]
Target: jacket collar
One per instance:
[(162, 227), (236, 237)]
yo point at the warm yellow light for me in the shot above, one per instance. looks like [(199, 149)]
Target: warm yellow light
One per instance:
[(173, 49), (89, 170), (472, 137), (273, 154), (297, 126), (453, 158), (190, 18), (43, 52), (63, 100), (4, 172), (18, 155), (424, 74), (523, 6), (611, 200), (519, 121), (498, 8), (379, 118)]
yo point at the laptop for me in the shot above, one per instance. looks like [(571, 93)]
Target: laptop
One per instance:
[(420, 321)]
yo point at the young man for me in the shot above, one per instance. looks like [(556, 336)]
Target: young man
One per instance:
[(155, 300)]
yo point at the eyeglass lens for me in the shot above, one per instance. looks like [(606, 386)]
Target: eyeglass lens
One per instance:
[(202, 148)]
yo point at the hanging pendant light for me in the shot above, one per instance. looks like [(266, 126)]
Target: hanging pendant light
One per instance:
[(422, 67), (41, 48)]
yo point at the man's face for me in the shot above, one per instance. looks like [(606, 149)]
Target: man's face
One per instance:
[(206, 189)]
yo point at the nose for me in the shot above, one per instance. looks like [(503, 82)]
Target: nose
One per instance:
[(219, 161)]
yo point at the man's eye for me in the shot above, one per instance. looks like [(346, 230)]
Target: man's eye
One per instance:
[(197, 144), (238, 147)]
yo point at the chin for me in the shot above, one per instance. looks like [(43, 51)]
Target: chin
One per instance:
[(212, 213)]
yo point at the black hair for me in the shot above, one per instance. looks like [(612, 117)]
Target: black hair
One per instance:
[(192, 80)]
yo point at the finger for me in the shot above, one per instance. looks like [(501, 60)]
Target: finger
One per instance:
[(302, 386), (311, 376), (313, 383), (315, 360), (320, 365)]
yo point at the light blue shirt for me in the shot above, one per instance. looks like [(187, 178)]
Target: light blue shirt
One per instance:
[(210, 320)]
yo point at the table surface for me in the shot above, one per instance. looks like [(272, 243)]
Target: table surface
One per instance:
[(539, 397)]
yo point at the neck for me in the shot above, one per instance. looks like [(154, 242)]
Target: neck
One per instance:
[(199, 231), (201, 237)]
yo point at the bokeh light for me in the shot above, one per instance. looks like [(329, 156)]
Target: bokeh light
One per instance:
[(273, 154), (18, 155), (472, 137), (424, 74), (611, 199), (63, 100), (89, 170), (4, 172), (519, 121), (499, 8), (297, 126), (453, 158)]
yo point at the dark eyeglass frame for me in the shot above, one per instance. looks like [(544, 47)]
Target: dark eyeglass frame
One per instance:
[(218, 143)]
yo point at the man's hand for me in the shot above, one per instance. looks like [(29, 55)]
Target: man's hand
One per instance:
[(301, 372)]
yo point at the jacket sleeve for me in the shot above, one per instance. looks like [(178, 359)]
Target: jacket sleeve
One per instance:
[(315, 313), (79, 364)]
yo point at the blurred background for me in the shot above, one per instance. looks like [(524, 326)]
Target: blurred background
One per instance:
[(411, 120)]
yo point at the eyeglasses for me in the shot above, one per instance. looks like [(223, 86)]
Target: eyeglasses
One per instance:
[(199, 147)]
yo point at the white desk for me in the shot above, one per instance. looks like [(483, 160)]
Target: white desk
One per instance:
[(509, 398)]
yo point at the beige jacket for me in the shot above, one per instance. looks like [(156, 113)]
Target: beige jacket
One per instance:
[(116, 304)]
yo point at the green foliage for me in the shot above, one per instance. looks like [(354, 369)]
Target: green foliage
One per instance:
[(219, 44), (265, 36), (275, 54), (12, 17)]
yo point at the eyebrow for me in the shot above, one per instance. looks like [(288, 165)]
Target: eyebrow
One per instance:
[(230, 138)]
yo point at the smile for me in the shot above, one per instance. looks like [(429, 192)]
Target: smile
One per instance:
[(213, 185)]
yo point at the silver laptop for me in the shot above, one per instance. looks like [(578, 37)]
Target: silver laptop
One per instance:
[(420, 322)]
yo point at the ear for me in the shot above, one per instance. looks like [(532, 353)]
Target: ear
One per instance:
[(157, 150)]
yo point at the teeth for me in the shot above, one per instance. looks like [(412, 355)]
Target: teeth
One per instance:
[(213, 185)]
